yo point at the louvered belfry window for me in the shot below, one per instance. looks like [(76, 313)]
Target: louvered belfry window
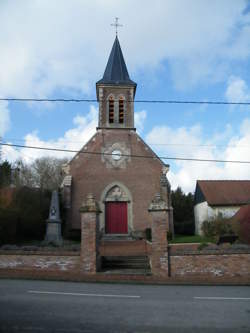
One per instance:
[(121, 110), (111, 110)]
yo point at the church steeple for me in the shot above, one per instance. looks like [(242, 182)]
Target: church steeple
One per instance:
[(116, 70), (115, 92)]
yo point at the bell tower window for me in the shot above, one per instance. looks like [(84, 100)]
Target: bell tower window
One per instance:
[(111, 110), (121, 110)]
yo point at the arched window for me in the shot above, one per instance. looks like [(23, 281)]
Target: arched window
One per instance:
[(121, 110), (111, 109)]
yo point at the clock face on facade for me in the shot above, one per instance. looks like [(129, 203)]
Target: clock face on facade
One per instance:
[(116, 154)]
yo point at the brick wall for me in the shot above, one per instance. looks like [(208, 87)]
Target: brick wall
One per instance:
[(40, 262), (211, 265), (195, 268)]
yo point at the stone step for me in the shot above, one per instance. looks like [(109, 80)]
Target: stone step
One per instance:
[(129, 262), (120, 238), (128, 271), (127, 266), (132, 259)]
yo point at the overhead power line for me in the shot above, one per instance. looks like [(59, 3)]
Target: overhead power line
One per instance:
[(83, 100), (127, 155), (158, 144)]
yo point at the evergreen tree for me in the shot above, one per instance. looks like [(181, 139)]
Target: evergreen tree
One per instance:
[(183, 205), (5, 174)]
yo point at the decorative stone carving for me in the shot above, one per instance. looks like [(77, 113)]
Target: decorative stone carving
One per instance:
[(158, 204), (116, 155), (90, 205), (116, 194), (66, 168)]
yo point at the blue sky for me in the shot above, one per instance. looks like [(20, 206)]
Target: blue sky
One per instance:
[(174, 50)]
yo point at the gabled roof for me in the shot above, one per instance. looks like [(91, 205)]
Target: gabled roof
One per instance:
[(223, 192), (116, 70)]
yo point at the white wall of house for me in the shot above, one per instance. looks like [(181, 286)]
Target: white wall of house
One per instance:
[(200, 215), (204, 212)]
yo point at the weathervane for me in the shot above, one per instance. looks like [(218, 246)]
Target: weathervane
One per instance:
[(116, 25)]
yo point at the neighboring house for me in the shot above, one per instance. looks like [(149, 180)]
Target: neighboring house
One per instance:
[(241, 220), (219, 197), (123, 185)]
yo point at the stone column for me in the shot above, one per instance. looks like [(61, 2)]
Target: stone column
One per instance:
[(160, 225), (90, 259)]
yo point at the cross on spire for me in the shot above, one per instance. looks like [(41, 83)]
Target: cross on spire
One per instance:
[(116, 25)]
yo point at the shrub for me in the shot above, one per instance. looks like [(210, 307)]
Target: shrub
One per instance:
[(25, 218), (202, 246), (217, 227), (8, 225)]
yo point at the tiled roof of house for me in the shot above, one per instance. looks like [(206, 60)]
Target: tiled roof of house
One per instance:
[(224, 192), (242, 214), (242, 222)]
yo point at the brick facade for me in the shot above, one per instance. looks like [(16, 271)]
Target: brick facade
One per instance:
[(93, 174)]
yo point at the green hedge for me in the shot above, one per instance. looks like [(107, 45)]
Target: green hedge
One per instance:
[(25, 218)]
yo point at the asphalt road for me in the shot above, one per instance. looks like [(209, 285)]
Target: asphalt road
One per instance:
[(47, 306)]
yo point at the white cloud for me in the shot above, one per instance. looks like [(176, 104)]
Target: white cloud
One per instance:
[(4, 118), (140, 118), (73, 139), (237, 90), (190, 142), (48, 46)]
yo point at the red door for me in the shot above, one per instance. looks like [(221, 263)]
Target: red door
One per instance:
[(116, 218)]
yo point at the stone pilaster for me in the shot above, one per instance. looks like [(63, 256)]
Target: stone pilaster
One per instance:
[(90, 259), (160, 225), (166, 196)]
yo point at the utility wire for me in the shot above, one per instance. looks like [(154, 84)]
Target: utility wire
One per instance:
[(82, 100), (126, 155), (157, 144)]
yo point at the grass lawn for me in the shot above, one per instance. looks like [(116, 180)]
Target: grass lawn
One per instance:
[(191, 239)]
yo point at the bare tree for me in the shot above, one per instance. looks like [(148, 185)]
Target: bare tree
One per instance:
[(43, 173)]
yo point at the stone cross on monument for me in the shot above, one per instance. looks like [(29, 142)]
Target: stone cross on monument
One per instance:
[(116, 25)]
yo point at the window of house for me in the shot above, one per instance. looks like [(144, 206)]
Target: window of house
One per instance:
[(121, 110), (111, 109)]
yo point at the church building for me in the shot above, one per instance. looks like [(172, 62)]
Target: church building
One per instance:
[(116, 165)]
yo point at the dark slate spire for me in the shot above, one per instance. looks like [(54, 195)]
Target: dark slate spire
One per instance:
[(116, 70)]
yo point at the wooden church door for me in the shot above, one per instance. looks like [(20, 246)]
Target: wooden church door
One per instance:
[(116, 218)]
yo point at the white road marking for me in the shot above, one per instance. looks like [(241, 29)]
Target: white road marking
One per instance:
[(81, 294), (224, 298)]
